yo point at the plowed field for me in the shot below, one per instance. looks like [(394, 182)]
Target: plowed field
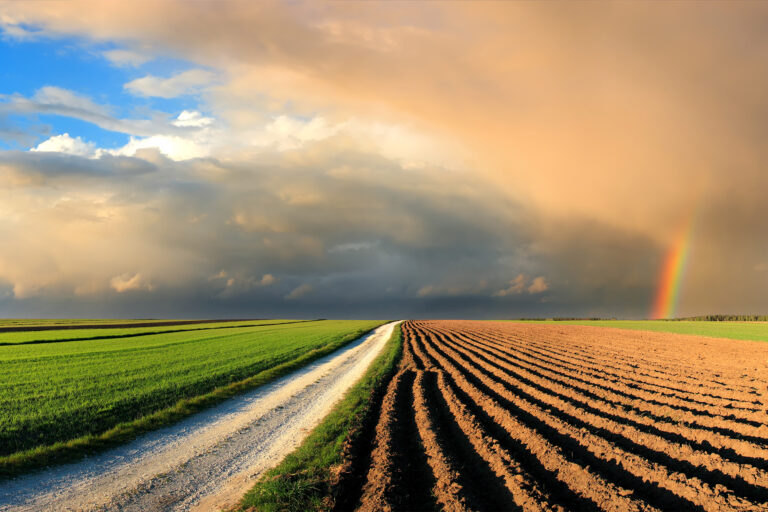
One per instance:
[(509, 416)]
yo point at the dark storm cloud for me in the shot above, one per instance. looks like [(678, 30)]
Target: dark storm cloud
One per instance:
[(341, 233)]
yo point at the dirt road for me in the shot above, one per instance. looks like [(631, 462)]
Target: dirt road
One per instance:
[(208, 460)]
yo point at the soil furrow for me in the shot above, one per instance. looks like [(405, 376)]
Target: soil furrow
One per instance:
[(491, 461), (598, 446), (399, 477), (594, 351), (709, 468), (628, 374), (555, 354), (582, 481), (560, 417), (623, 410), (451, 490), (744, 423)]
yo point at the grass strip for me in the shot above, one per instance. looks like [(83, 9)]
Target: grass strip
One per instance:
[(68, 451), (304, 480)]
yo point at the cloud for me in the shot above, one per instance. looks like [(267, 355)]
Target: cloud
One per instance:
[(187, 82), (122, 57), (238, 284), (538, 285), (130, 282), (516, 285), (13, 29), (189, 135), (299, 291), (77, 223), (426, 291), (520, 284), (384, 239), (193, 119), (63, 99), (174, 147), (63, 102), (334, 126), (65, 144)]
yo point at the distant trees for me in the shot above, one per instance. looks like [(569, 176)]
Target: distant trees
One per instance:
[(562, 319), (727, 318)]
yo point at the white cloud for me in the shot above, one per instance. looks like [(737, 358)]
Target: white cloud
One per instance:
[(65, 144), (174, 147), (195, 141), (187, 82), (193, 135), (121, 57), (192, 119), (130, 282)]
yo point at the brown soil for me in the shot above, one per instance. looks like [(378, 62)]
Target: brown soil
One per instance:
[(512, 416)]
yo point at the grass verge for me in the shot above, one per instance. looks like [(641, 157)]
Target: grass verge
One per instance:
[(304, 480), (67, 451)]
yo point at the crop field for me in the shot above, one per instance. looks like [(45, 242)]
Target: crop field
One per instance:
[(755, 331), (63, 322), (107, 332), (57, 392), (514, 416)]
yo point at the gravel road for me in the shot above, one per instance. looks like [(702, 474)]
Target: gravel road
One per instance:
[(208, 460)]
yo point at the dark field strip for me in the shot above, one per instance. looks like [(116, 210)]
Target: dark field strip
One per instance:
[(541, 417), (111, 325)]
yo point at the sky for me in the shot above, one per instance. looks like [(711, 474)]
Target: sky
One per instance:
[(383, 159)]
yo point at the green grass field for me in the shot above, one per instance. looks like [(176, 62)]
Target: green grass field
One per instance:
[(60, 394), (754, 331)]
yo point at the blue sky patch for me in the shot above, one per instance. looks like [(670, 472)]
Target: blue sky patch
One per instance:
[(79, 66)]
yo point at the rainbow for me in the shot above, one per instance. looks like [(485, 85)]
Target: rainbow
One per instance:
[(672, 272)]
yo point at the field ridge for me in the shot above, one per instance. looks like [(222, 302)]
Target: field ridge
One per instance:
[(557, 417)]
